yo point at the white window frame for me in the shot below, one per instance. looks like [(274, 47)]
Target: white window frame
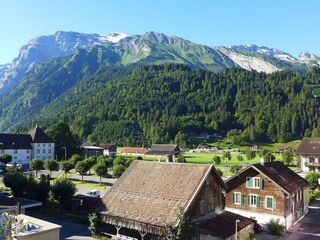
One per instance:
[(254, 182), (235, 198), (266, 203), (256, 202)]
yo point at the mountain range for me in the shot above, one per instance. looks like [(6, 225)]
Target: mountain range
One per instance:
[(150, 47), (49, 70)]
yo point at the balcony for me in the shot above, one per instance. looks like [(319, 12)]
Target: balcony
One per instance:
[(312, 164)]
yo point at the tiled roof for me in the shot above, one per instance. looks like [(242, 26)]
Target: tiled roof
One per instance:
[(309, 146), (15, 141), (164, 147), (39, 136), (153, 193), (136, 150), (107, 146), (276, 171), (223, 224)]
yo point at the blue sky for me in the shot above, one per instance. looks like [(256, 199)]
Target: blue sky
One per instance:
[(290, 25)]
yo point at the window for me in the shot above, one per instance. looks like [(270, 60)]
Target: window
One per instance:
[(43, 151), (49, 150), (269, 202), (15, 151), (28, 151), (49, 144), (38, 144), (237, 198), (254, 182), (15, 158), (38, 150), (253, 200), (2, 151), (44, 144)]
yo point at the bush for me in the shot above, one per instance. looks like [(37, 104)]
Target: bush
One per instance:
[(16, 181), (76, 158), (314, 195), (181, 159), (312, 178), (36, 164), (216, 159), (93, 224), (63, 190), (275, 228)]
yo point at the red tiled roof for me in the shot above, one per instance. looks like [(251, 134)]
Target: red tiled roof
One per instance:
[(153, 193), (136, 150), (223, 224)]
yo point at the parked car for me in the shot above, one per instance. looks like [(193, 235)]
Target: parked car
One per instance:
[(93, 193)]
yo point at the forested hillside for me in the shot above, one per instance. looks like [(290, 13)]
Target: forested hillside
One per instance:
[(164, 103)]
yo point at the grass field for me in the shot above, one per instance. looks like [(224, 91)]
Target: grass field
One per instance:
[(90, 185)]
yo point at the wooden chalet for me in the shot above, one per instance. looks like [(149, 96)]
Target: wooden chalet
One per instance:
[(152, 197), (268, 191)]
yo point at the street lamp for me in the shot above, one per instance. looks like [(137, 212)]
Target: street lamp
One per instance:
[(237, 221), (65, 153)]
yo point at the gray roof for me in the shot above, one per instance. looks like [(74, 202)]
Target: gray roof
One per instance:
[(164, 147), (309, 146), (39, 136), (15, 141)]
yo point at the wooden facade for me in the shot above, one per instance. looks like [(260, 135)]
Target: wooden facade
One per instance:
[(272, 199)]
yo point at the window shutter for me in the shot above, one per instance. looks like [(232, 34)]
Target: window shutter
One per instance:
[(248, 199), (249, 182), (242, 199), (233, 198), (258, 201), (261, 183)]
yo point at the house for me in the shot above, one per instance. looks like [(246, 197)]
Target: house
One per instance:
[(284, 148), (268, 191), (152, 197), (309, 154), (254, 148), (95, 150), (135, 151), (24, 147), (170, 151)]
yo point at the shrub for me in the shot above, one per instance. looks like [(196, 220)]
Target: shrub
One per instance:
[(216, 159), (51, 165), (93, 224), (66, 166), (63, 190), (314, 195), (275, 227), (36, 164), (16, 181), (312, 178), (181, 159), (76, 158)]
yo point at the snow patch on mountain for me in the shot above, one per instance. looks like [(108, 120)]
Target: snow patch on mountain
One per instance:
[(113, 37), (309, 58)]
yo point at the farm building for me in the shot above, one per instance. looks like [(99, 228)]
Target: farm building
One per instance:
[(135, 151), (151, 198), (170, 151)]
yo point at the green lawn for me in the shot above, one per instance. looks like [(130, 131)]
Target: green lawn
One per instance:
[(90, 185)]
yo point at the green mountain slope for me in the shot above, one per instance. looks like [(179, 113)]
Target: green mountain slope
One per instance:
[(173, 102)]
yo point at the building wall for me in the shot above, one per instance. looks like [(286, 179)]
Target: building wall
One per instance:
[(44, 151), (53, 234), (209, 198), (305, 159), (269, 189), (19, 156)]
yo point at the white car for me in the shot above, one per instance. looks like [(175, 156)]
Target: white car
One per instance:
[(93, 193)]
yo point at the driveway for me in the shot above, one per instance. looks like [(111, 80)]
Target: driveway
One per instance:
[(307, 228)]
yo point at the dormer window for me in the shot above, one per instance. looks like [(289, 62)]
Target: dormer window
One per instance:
[(254, 182)]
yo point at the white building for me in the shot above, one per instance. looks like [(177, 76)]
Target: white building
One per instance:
[(24, 147), (309, 152)]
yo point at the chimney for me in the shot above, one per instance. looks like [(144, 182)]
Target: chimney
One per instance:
[(262, 161)]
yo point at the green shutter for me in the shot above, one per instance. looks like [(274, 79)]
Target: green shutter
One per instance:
[(261, 184), (248, 199), (258, 201), (242, 199), (269, 202), (249, 182), (233, 198)]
